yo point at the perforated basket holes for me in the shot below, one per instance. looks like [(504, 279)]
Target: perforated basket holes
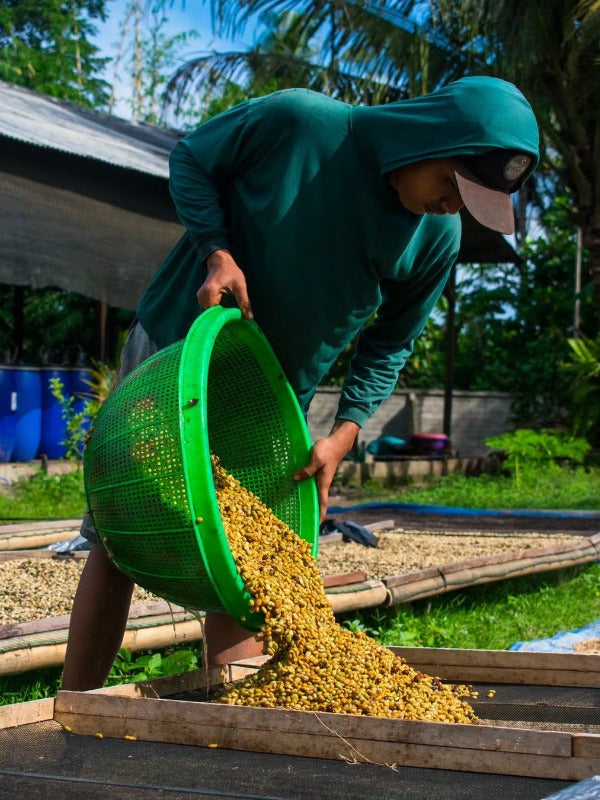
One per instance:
[(138, 495), (135, 469), (247, 429), (139, 442), (155, 553), (195, 592)]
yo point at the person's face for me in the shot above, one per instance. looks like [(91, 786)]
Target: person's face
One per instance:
[(427, 187)]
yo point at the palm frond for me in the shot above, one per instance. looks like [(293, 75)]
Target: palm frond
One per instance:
[(208, 74)]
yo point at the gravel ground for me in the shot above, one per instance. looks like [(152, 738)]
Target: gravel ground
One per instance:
[(589, 646), (400, 551), (37, 588)]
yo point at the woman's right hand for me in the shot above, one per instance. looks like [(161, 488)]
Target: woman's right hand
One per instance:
[(224, 279)]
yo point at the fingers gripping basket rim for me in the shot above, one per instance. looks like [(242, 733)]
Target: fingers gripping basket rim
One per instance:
[(248, 415)]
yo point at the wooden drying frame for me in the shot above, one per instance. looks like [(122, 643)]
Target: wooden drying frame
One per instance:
[(140, 712)]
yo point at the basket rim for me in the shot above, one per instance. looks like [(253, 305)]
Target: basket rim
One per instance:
[(195, 448)]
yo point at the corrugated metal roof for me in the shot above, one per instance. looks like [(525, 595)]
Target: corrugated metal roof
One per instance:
[(44, 121)]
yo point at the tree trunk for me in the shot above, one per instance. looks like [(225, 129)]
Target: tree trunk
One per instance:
[(591, 240)]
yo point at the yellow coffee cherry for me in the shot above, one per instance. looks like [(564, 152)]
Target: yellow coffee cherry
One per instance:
[(316, 665)]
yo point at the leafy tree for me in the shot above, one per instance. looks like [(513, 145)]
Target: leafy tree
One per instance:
[(147, 54), (282, 58), (514, 321), (46, 45), (58, 326), (550, 49), (583, 369)]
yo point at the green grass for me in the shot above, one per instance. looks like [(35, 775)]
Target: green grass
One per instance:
[(128, 667), (44, 496), (33, 685), (542, 487), (492, 616), (549, 487)]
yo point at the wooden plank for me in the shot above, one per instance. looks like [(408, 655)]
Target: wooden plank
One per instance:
[(273, 722), (17, 714), (382, 525), (499, 659), (42, 525), (521, 677), (329, 538), (137, 611), (344, 579), (326, 744), (252, 661), (587, 745), (170, 684)]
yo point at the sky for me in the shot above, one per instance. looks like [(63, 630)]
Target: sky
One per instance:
[(183, 16)]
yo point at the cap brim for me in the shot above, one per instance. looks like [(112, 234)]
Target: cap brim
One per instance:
[(489, 206)]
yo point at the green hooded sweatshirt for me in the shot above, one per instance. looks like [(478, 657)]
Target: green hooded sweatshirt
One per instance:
[(294, 185)]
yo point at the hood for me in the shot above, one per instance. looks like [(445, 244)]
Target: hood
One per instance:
[(466, 117)]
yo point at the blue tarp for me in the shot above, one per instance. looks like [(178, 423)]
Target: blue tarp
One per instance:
[(454, 511), (561, 642), (585, 790)]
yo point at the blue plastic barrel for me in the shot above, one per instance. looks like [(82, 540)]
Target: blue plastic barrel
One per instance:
[(8, 418), (54, 425), (28, 385)]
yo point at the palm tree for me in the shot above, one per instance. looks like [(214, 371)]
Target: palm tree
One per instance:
[(282, 58), (377, 50)]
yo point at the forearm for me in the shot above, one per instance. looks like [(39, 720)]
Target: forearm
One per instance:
[(197, 197), (343, 435)]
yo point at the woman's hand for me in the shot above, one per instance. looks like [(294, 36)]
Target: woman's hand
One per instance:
[(325, 457), (224, 278)]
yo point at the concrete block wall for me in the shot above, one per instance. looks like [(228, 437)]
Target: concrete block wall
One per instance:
[(475, 417)]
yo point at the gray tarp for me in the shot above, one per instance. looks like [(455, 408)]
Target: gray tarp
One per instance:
[(54, 237)]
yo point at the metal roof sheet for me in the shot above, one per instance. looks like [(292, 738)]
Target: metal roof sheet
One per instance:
[(35, 118)]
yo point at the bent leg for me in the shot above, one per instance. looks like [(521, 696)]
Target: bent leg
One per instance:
[(226, 641), (98, 621)]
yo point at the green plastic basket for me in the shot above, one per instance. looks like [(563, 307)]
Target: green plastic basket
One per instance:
[(147, 467)]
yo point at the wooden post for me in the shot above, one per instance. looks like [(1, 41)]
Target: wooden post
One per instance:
[(450, 292), (577, 309), (102, 313)]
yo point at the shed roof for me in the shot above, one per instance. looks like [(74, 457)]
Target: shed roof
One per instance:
[(57, 124)]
